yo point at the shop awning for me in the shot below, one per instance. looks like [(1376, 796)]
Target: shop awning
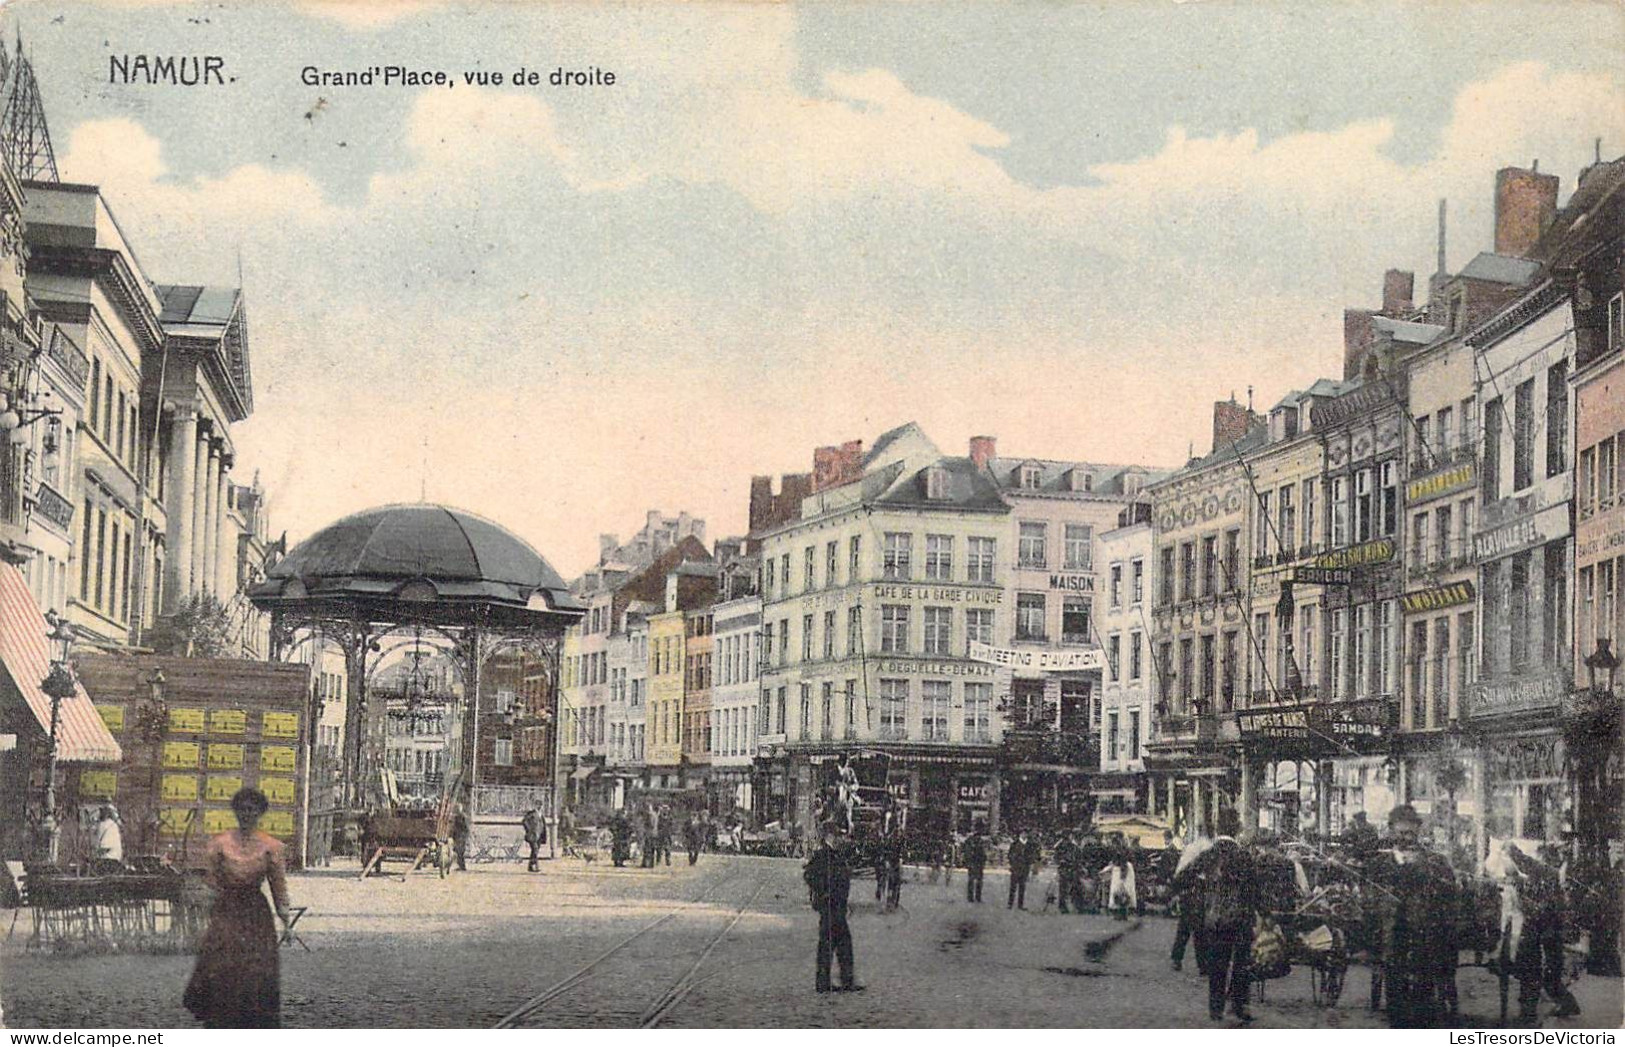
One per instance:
[(81, 737), (583, 772)]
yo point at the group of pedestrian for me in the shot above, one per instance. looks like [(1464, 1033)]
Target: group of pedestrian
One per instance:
[(655, 834), (1417, 914)]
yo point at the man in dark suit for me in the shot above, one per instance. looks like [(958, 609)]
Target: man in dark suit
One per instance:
[(1229, 904), (829, 878), (1066, 872), (975, 854), (1023, 856)]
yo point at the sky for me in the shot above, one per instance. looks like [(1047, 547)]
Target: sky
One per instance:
[(1070, 226)]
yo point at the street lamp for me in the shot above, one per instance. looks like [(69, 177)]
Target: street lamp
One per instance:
[(152, 723), (57, 685)]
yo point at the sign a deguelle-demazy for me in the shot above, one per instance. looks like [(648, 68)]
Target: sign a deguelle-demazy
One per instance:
[(1081, 660)]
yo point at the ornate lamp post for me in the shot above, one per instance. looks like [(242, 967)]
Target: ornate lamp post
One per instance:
[(58, 684), (152, 724)]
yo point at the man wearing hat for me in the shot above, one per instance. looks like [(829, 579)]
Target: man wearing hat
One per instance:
[(1417, 922), (828, 876)]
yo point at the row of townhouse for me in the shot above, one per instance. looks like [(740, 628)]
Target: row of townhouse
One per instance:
[(939, 610), (1401, 585), (118, 501)]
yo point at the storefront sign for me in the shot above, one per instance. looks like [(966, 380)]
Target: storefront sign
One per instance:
[(278, 824), (1517, 694), (1073, 583), (278, 758), (1367, 398), (182, 755), (1525, 759), (1598, 548), (278, 790), (977, 792), (1547, 525), (186, 721), (1329, 726), (899, 789), (280, 725), (1290, 723), (179, 788), (1320, 576), (943, 668), (1379, 551), (1446, 482), (1084, 660), (112, 717), (939, 594), (100, 784), (227, 721), (1439, 598), (222, 788), (53, 506)]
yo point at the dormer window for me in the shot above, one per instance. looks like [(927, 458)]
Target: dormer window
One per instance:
[(936, 483), (1030, 477), (1088, 481)]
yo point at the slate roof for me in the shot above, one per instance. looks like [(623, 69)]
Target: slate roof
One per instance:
[(968, 488), (1501, 269), (886, 439), (1408, 331)]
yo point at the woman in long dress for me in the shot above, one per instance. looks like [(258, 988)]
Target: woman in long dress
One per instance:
[(237, 982)]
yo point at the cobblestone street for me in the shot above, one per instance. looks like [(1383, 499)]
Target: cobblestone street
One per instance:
[(732, 945)]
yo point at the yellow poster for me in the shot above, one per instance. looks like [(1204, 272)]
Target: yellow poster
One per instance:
[(278, 790), (180, 788), (102, 784), (227, 721), (218, 820), (280, 725), (278, 758), (172, 821), (182, 755), (278, 823), (112, 717), (186, 721), (221, 787), (225, 757)]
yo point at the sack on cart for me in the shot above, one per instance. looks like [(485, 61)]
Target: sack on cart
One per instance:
[(1269, 951)]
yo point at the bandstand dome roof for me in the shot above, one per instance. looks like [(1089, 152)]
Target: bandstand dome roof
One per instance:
[(416, 554)]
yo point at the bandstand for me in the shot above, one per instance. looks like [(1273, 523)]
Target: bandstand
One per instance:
[(399, 574)]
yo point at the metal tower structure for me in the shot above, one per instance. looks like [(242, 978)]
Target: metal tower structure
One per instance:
[(24, 136)]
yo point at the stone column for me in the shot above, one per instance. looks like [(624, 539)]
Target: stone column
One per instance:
[(200, 477), (225, 575), (1198, 813), (1249, 794), (207, 582), (180, 498), (1323, 797)]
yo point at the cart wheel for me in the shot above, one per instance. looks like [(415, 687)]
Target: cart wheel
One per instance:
[(1330, 980)]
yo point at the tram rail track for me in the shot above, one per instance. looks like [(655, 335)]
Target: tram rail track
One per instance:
[(554, 1005)]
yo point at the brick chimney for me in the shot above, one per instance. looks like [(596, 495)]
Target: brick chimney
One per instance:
[(834, 466), (1357, 332), (1525, 204), (761, 502), (982, 450), (607, 544), (1398, 286), (1230, 423)]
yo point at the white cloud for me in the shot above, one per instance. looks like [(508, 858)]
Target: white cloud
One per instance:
[(565, 407)]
